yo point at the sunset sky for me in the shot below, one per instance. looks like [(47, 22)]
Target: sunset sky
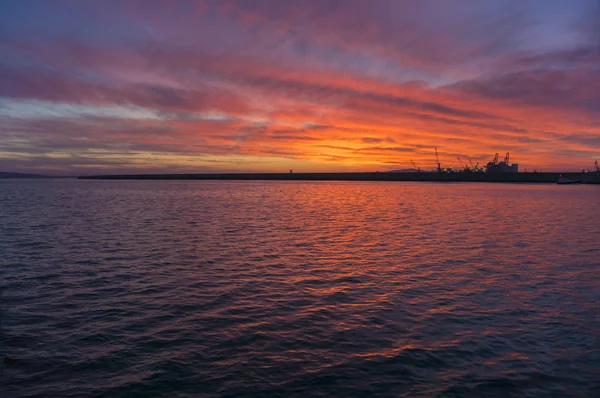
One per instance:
[(311, 85)]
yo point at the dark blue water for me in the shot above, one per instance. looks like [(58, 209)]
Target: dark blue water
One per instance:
[(270, 289)]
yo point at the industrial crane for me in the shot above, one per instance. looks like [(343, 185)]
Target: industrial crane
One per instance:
[(474, 167), (415, 166), (495, 161), (507, 158), (597, 167), (465, 167), (437, 160)]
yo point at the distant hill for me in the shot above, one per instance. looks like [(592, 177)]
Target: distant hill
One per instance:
[(21, 175)]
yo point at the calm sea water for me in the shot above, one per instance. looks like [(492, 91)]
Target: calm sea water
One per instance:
[(181, 289)]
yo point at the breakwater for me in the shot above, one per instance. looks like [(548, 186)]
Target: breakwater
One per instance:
[(365, 176)]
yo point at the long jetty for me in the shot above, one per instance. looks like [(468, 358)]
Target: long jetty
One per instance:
[(591, 178)]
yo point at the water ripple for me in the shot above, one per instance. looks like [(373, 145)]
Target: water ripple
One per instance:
[(149, 288)]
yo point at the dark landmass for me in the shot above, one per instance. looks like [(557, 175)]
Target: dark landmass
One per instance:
[(21, 175), (371, 176)]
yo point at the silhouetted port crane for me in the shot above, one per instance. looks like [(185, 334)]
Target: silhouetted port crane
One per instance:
[(495, 166), (437, 160), (415, 166), (474, 167), (597, 167), (495, 161), (465, 167)]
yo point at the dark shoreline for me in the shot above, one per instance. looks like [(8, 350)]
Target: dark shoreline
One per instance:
[(591, 178)]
